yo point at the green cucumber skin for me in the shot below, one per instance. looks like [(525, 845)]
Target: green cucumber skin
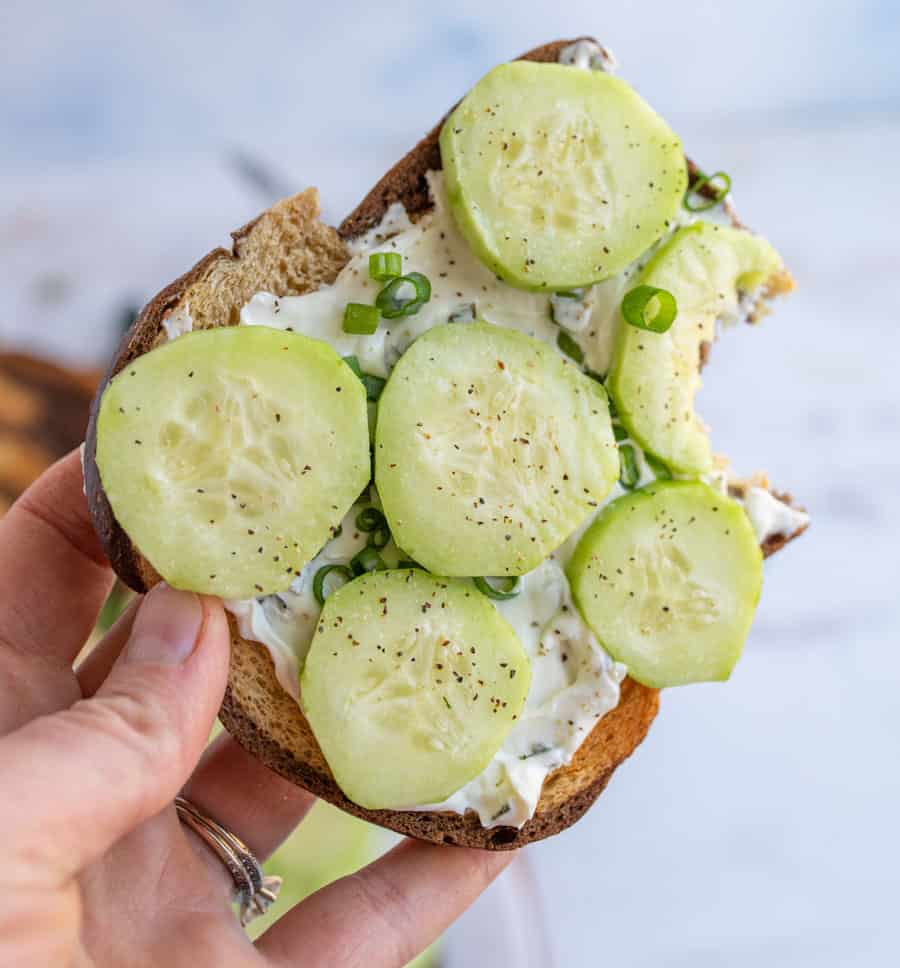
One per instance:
[(747, 564), (667, 175), (370, 620), (439, 528), (159, 514), (649, 370)]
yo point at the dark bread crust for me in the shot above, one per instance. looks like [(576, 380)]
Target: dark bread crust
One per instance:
[(255, 710)]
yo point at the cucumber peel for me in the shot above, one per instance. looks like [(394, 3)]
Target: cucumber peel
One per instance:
[(230, 455), (410, 686), (490, 450), (559, 178), (668, 578), (654, 377)]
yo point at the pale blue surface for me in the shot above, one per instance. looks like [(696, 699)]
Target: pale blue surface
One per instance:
[(758, 824)]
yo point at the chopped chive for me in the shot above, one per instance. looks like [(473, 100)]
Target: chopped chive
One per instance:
[(360, 319), (369, 519), (367, 560), (706, 181), (320, 590), (385, 265), (629, 473), (568, 345), (649, 308), (374, 385), (619, 432), (501, 590), (353, 363), (658, 467), (404, 296)]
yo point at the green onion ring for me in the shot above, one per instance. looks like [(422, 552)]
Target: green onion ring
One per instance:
[(658, 467), (385, 265), (369, 519), (638, 300), (367, 560), (568, 345), (629, 472), (321, 576), (393, 306), (509, 588), (360, 319), (719, 192)]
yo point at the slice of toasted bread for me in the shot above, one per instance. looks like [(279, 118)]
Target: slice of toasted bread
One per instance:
[(287, 251)]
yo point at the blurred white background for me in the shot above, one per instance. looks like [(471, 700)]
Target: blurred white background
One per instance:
[(758, 823)]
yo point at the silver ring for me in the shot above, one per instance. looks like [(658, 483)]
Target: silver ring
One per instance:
[(254, 890)]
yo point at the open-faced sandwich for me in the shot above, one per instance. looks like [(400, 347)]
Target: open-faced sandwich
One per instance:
[(442, 463)]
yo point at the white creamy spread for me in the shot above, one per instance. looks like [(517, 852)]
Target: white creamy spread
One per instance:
[(461, 287), (770, 516), (588, 55), (574, 681), (178, 322)]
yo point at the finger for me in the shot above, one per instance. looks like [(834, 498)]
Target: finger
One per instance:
[(97, 664), (77, 781), (53, 574), (244, 796), (388, 912)]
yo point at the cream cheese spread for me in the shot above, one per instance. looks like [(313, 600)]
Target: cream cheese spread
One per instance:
[(770, 516)]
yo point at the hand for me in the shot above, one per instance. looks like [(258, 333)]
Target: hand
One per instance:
[(97, 869)]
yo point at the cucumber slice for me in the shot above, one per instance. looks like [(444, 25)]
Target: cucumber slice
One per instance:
[(228, 456), (559, 178), (490, 450), (668, 578), (411, 685), (655, 376)]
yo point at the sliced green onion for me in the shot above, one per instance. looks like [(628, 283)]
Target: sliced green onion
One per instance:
[(570, 294), (629, 473), (613, 411), (719, 191), (385, 265), (374, 385), (649, 308), (619, 432), (392, 302), (320, 590), (367, 560), (369, 519), (380, 537), (360, 319), (353, 363), (502, 590), (568, 345), (373, 522), (658, 467)]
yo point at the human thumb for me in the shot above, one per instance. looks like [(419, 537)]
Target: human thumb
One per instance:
[(76, 781)]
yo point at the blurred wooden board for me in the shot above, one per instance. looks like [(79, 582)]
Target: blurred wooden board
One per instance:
[(43, 414)]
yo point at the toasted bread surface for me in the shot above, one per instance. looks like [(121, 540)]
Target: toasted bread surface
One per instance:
[(287, 251)]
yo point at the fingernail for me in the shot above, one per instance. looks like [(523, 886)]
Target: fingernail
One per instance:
[(166, 628)]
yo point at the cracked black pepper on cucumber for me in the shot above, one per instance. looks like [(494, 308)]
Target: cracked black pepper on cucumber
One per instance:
[(494, 445)]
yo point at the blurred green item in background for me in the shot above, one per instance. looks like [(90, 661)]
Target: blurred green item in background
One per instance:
[(328, 844)]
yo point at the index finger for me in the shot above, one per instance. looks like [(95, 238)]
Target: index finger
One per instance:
[(388, 912), (54, 576)]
